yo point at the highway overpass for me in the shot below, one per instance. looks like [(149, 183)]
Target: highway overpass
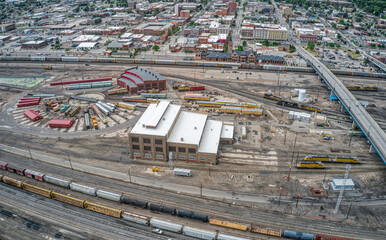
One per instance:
[(376, 62), (370, 128)]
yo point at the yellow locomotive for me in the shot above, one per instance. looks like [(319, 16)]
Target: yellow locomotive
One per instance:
[(310, 164), (323, 158), (344, 159)]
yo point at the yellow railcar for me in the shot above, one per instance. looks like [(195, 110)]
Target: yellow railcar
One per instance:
[(183, 88), (103, 209), (266, 232), (126, 105), (67, 199), (38, 190), (228, 224)]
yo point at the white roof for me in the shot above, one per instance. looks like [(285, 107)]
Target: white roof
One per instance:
[(339, 182), (164, 124), (127, 35), (87, 45), (86, 38), (157, 114), (211, 137), (227, 131), (188, 128)]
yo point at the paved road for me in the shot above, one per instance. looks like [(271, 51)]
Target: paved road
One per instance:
[(91, 225)]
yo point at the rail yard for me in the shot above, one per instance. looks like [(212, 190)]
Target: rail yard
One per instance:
[(70, 139)]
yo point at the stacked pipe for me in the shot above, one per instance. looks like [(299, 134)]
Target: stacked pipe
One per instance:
[(28, 101)]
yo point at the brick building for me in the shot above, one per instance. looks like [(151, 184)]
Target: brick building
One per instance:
[(137, 78)]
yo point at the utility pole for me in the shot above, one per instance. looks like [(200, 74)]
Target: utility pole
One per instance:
[(349, 209), (201, 190), (296, 136), (69, 159), (297, 201), (285, 136), (30, 155), (128, 173), (281, 190), (348, 167)]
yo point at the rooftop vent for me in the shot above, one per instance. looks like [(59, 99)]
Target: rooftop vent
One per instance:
[(163, 119), (143, 125), (182, 139), (195, 127)]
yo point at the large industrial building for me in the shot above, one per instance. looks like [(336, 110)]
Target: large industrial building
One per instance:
[(137, 78), (189, 136)]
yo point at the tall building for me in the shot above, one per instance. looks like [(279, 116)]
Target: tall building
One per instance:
[(177, 9)]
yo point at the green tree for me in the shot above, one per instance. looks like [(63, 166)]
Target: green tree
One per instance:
[(311, 45), (244, 43), (292, 49), (366, 61), (156, 47)]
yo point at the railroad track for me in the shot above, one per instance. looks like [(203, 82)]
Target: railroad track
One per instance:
[(270, 220), (39, 202)]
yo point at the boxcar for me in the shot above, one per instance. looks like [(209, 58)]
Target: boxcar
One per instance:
[(38, 190), (103, 209), (199, 233), (67, 199), (173, 227), (326, 237), (35, 175), (15, 169), (266, 231), (3, 165)]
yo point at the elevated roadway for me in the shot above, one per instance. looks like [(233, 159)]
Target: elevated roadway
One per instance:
[(370, 128), (376, 62)]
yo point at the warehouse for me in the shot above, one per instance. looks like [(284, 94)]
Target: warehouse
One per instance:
[(34, 44), (165, 128), (137, 78)]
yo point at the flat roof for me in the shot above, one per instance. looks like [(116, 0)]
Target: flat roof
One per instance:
[(339, 182), (163, 125), (188, 128), (87, 45), (211, 137), (227, 131), (157, 114)]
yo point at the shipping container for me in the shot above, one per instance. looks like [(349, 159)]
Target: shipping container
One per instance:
[(132, 217), (103, 209), (15, 169), (35, 175), (3, 165), (38, 190), (298, 235), (57, 181), (173, 227), (83, 188), (32, 115), (134, 202), (221, 236), (228, 224), (61, 123), (80, 81), (199, 233), (67, 199), (11, 181), (109, 195), (182, 172)]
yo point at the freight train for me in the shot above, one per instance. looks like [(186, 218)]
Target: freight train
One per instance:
[(191, 88), (184, 63), (291, 104), (310, 164), (360, 87), (137, 218), (337, 159)]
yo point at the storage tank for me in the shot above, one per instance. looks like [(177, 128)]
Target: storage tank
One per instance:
[(302, 95)]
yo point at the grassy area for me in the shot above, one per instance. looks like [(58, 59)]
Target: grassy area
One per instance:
[(22, 81), (313, 52), (352, 53)]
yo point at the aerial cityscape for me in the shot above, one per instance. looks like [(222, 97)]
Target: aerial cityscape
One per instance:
[(193, 119)]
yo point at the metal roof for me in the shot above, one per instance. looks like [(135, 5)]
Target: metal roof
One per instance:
[(210, 139)]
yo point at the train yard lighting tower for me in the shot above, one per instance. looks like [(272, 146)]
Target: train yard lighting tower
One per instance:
[(348, 167)]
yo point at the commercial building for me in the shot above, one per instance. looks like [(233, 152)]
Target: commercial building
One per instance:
[(337, 184), (153, 28), (34, 44), (86, 38), (104, 31), (263, 32), (137, 78), (7, 27), (164, 128)]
